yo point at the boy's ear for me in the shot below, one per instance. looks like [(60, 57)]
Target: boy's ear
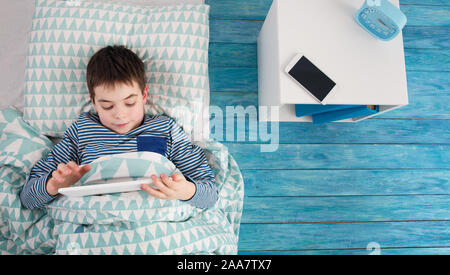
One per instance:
[(94, 105), (145, 95)]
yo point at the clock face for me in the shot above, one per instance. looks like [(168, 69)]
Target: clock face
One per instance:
[(378, 23)]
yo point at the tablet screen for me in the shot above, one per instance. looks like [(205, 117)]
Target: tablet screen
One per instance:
[(313, 79)]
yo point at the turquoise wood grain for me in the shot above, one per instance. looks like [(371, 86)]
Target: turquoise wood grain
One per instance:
[(384, 251), (345, 208), (427, 60), (352, 182), (245, 55), (233, 79), (232, 55), (334, 181), (428, 92), (418, 15), (247, 31), (223, 98), (234, 31), (399, 131), (425, 2), (427, 37), (235, 9), (344, 235), (342, 156)]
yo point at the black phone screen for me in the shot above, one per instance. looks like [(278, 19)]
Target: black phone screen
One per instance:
[(313, 79)]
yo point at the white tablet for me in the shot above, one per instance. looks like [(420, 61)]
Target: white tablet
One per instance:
[(104, 188)]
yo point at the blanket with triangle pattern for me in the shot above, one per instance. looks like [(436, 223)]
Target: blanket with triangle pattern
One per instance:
[(122, 223)]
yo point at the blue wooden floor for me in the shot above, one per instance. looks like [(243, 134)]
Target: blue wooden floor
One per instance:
[(343, 188)]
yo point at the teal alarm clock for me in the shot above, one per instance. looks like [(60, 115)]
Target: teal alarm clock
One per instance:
[(381, 19)]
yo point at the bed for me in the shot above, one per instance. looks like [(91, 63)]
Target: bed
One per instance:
[(44, 92)]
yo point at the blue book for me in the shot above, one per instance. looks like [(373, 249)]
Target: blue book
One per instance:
[(343, 114), (311, 109)]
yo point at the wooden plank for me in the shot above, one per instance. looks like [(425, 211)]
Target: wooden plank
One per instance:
[(246, 31), (427, 15), (420, 84), (345, 182), (229, 79), (399, 131), (232, 55), (245, 55), (343, 235), (421, 106), (221, 98), (234, 31), (342, 156), (345, 208), (367, 251), (425, 2), (369, 131), (428, 92), (237, 9), (426, 37), (427, 60), (418, 15)]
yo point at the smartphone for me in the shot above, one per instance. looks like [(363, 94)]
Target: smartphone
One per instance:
[(311, 78)]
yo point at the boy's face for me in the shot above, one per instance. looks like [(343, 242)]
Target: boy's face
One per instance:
[(120, 108)]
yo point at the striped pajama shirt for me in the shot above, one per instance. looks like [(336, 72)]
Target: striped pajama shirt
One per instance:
[(87, 139)]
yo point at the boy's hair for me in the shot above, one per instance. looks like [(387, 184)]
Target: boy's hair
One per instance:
[(114, 64)]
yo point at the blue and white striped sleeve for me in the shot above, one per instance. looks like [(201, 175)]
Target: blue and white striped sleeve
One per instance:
[(191, 161), (34, 193)]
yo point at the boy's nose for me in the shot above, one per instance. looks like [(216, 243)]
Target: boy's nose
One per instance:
[(120, 113)]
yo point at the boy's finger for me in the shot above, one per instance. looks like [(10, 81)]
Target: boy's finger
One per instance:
[(153, 192), (63, 169), (57, 177), (54, 181), (67, 171), (60, 166), (161, 186), (166, 180), (177, 177), (75, 167), (85, 168), (72, 165)]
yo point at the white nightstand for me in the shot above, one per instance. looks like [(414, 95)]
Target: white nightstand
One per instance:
[(367, 71)]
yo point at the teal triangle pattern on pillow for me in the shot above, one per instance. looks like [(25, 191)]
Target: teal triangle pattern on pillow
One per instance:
[(171, 40)]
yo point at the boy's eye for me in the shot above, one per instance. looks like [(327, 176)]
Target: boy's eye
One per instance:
[(127, 104)]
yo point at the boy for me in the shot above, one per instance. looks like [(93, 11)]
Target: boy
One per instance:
[(116, 82)]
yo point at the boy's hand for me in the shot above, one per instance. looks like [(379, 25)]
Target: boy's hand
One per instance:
[(175, 187), (65, 175)]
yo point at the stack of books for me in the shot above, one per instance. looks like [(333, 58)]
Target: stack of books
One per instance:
[(329, 113)]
